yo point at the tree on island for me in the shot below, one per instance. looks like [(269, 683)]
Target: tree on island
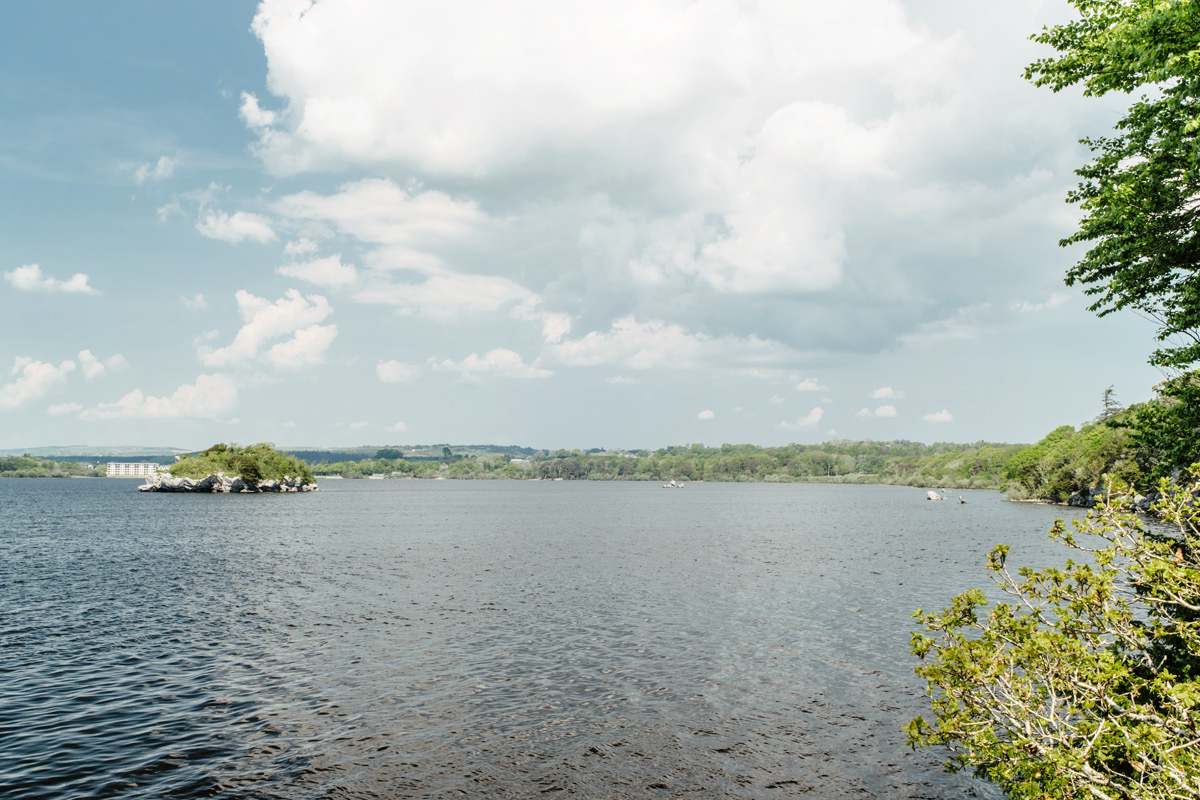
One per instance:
[(253, 463)]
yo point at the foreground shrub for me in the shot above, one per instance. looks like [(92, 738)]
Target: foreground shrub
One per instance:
[(1086, 683)]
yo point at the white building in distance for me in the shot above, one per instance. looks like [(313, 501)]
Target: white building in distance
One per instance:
[(119, 469)]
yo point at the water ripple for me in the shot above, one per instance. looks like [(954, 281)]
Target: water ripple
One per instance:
[(438, 640)]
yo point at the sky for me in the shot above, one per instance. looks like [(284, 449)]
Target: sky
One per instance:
[(629, 224)]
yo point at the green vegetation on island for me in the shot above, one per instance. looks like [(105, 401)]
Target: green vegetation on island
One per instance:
[(253, 463)]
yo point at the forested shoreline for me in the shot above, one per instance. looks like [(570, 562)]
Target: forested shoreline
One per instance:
[(981, 465)]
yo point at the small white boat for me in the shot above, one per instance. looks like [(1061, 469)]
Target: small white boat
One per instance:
[(672, 485)]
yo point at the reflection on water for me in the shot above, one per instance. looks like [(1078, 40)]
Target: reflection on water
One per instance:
[(398, 639)]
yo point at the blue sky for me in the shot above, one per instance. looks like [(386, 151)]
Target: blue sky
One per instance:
[(639, 224)]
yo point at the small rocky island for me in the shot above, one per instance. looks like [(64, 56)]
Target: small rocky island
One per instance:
[(228, 468)]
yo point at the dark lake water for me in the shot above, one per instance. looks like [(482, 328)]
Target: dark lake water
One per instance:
[(442, 639)]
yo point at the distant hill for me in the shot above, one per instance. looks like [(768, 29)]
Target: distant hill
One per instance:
[(93, 451), (98, 453), (415, 452)]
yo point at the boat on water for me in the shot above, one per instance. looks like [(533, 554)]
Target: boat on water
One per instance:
[(672, 485)]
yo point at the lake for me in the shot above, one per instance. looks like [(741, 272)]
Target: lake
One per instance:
[(439, 639)]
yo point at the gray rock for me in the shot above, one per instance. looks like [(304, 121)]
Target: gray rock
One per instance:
[(1082, 500), (220, 482)]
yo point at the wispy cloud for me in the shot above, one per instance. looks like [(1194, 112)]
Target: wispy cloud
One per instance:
[(397, 372), (157, 171), (1057, 299), (500, 363), (239, 226), (194, 303)]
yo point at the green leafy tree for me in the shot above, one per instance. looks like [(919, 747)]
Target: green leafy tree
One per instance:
[(1139, 193), (1167, 429), (1086, 682)]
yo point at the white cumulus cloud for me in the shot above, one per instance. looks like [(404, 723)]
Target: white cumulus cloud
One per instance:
[(254, 116), (718, 97), (398, 427), (811, 385), (239, 226), (306, 348), (208, 398), (33, 379), (939, 416), (775, 400), (705, 414), (29, 278), (94, 368), (499, 362), (886, 393), (292, 315), (397, 372), (880, 411), (802, 423)]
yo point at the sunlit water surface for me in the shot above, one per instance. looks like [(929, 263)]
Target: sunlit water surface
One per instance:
[(437, 639)]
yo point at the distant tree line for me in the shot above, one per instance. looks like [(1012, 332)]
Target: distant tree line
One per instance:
[(31, 467), (981, 465)]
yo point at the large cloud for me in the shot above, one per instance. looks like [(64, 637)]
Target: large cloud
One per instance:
[(292, 315), (834, 168), (711, 98), (208, 398), (32, 380), (471, 87)]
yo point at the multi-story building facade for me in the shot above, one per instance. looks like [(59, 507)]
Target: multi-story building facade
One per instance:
[(129, 469)]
